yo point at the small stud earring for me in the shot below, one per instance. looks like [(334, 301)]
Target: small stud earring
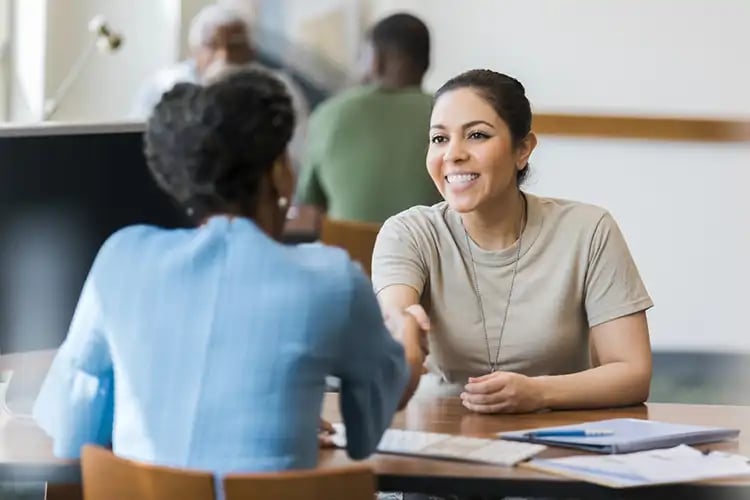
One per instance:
[(190, 212), (283, 202)]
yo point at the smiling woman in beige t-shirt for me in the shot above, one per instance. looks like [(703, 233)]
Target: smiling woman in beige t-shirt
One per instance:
[(521, 291)]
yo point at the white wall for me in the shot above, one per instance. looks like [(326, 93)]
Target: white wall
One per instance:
[(5, 57), (108, 83), (27, 55), (685, 212), (188, 10), (50, 36), (682, 206), (320, 39), (331, 26), (678, 57)]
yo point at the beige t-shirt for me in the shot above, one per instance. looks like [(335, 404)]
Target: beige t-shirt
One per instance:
[(575, 272)]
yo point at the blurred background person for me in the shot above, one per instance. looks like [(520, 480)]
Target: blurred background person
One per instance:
[(366, 147), (216, 33), (220, 41)]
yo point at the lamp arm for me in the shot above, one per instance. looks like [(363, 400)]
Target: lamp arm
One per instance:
[(53, 103)]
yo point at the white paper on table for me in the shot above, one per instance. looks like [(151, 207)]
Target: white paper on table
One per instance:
[(672, 465)]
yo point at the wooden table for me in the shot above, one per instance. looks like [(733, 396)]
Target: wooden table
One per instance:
[(25, 452), (447, 415)]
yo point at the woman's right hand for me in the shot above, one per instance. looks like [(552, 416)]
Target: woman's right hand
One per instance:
[(409, 323), (423, 321), (411, 326)]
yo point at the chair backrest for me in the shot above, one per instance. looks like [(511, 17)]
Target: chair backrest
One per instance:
[(345, 483), (108, 477), (357, 238)]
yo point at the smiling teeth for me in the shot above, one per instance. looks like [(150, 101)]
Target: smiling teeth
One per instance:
[(458, 178)]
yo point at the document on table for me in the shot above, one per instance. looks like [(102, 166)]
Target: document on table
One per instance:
[(672, 465), (447, 446), (622, 435)]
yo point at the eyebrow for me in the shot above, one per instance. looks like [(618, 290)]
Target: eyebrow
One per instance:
[(465, 125)]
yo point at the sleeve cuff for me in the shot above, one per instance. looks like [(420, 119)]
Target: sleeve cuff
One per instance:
[(411, 283), (620, 311)]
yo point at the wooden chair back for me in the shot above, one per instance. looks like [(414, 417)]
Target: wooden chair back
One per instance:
[(357, 238), (344, 483), (108, 477)]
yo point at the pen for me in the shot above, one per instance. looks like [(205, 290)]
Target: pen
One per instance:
[(569, 433)]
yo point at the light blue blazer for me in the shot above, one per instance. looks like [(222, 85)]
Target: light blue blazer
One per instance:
[(208, 348)]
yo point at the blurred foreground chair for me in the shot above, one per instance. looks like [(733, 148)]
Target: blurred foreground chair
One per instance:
[(108, 477), (357, 238), (346, 483)]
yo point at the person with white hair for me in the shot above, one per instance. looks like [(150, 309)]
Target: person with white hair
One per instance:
[(216, 33), (220, 43)]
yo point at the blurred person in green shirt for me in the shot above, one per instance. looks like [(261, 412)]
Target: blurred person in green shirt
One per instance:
[(366, 146)]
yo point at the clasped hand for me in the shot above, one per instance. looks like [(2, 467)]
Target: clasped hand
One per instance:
[(411, 325), (502, 392)]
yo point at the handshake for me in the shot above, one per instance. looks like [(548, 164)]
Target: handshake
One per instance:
[(411, 327)]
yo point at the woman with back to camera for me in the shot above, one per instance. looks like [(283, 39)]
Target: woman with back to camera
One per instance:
[(521, 291), (208, 348)]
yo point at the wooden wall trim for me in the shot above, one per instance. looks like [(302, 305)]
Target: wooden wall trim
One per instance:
[(627, 127)]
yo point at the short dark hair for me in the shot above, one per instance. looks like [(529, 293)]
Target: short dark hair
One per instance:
[(507, 97), (406, 35), (209, 147)]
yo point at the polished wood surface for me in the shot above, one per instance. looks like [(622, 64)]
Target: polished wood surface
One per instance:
[(25, 451), (643, 127), (108, 477), (449, 416), (356, 482)]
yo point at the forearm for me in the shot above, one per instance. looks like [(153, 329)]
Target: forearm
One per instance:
[(408, 327), (614, 384), (392, 309), (415, 361)]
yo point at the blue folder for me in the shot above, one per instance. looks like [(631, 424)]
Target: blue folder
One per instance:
[(628, 435)]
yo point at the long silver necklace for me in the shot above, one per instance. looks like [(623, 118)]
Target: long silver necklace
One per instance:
[(494, 364)]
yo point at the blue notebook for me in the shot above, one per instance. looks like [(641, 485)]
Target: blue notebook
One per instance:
[(625, 435)]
